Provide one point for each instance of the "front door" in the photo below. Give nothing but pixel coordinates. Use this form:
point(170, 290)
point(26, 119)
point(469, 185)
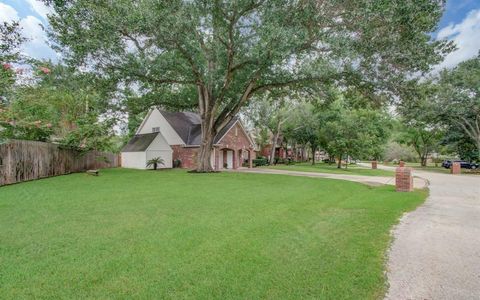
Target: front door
point(229, 159)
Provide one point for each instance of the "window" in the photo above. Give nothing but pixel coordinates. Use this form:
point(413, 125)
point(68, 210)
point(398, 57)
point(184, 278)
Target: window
point(155, 129)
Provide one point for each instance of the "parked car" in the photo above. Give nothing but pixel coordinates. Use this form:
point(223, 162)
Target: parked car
point(463, 164)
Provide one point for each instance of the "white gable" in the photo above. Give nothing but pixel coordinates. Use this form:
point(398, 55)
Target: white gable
point(155, 119)
point(159, 143)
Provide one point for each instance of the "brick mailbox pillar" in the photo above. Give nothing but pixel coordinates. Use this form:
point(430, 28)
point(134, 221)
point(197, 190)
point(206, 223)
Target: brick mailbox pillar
point(374, 164)
point(401, 164)
point(455, 168)
point(403, 179)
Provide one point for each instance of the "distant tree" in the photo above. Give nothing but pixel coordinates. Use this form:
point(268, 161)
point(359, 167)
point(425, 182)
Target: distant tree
point(397, 151)
point(63, 106)
point(306, 127)
point(270, 113)
point(220, 54)
point(458, 98)
point(352, 132)
point(10, 41)
point(420, 117)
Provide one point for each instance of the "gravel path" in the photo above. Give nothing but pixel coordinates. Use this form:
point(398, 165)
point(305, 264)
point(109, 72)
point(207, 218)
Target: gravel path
point(369, 180)
point(436, 249)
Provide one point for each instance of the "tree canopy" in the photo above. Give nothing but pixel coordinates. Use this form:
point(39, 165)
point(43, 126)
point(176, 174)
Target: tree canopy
point(214, 56)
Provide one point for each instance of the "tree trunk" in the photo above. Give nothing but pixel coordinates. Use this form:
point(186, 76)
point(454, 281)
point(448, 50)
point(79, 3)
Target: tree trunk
point(208, 134)
point(313, 156)
point(424, 161)
point(339, 165)
point(274, 144)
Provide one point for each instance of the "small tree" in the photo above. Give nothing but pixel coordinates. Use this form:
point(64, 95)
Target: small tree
point(155, 162)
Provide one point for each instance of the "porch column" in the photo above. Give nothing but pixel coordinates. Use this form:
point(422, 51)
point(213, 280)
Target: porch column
point(250, 160)
point(235, 159)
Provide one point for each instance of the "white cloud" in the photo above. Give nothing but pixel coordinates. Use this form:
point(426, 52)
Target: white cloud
point(7, 13)
point(37, 39)
point(40, 8)
point(466, 36)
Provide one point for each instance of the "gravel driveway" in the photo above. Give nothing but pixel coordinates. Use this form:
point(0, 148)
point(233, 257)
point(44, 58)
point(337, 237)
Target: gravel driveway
point(436, 249)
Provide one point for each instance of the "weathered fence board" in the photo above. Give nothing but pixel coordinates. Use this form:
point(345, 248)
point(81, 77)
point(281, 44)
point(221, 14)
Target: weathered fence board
point(29, 160)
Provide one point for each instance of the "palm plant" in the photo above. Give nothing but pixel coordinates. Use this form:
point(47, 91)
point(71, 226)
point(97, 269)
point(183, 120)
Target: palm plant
point(155, 162)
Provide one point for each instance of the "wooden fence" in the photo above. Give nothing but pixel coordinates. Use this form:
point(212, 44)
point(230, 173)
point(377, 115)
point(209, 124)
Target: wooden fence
point(30, 160)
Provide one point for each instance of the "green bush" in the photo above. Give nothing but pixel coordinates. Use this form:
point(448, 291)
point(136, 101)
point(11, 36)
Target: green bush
point(260, 162)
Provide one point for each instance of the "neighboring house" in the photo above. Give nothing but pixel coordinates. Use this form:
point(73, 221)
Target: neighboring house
point(177, 136)
point(280, 151)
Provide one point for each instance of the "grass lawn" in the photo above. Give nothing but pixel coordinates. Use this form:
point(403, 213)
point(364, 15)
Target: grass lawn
point(332, 168)
point(171, 234)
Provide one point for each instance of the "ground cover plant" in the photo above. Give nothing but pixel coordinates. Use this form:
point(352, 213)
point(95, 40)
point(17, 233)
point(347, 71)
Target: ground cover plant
point(172, 234)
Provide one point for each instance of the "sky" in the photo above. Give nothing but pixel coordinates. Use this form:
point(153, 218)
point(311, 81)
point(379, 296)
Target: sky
point(460, 23)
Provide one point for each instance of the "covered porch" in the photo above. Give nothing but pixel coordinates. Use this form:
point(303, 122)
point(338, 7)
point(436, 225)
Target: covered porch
point(228, 158)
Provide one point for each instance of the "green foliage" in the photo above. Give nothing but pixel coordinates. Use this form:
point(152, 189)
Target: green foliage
point(260, 161)
point(359, 133)
point(421, 128)
point(155, 162)
point(458, 100)
point(63, 106)
point(215, 56)
point(10, 40)
point(147, 234)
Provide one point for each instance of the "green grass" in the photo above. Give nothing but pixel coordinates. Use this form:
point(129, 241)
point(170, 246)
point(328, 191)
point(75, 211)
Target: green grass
point(171, 234)
point(332, 168)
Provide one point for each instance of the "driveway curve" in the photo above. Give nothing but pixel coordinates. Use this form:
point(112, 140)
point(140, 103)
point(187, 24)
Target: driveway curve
point(435, 253)
point(369, 180)
point(436, 249)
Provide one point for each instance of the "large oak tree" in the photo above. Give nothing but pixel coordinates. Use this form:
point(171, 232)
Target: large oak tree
point(221, 53)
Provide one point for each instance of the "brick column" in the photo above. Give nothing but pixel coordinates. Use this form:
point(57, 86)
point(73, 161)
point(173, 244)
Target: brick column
point(401, 164)
point(455, 168)
point(250, 160)
point(374, 164)
point(403, 179)
point(235, 159)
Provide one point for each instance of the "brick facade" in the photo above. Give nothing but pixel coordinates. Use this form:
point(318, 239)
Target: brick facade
point(187, 155)
point(235, 140)
point(403, 179)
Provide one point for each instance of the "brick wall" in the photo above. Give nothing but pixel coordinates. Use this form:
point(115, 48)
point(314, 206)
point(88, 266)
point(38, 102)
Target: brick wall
point(188, 156)
point(235, 139)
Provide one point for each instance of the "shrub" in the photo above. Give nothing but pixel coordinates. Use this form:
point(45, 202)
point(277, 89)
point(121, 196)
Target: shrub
point(177, 163)
point(260, 162)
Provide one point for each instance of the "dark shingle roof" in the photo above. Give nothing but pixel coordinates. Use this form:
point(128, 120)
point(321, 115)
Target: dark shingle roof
point(224, 130)
point(139, 142)
point(188, 127)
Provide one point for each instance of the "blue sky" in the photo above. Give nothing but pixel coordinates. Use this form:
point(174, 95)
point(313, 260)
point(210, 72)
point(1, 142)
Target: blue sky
point(460, 23)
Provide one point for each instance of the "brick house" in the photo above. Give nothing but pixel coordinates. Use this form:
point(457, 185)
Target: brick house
point(177, 136)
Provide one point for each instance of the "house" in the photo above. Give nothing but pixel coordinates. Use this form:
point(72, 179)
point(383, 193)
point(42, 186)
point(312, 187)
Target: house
point(176, 136)
point(280, 151)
